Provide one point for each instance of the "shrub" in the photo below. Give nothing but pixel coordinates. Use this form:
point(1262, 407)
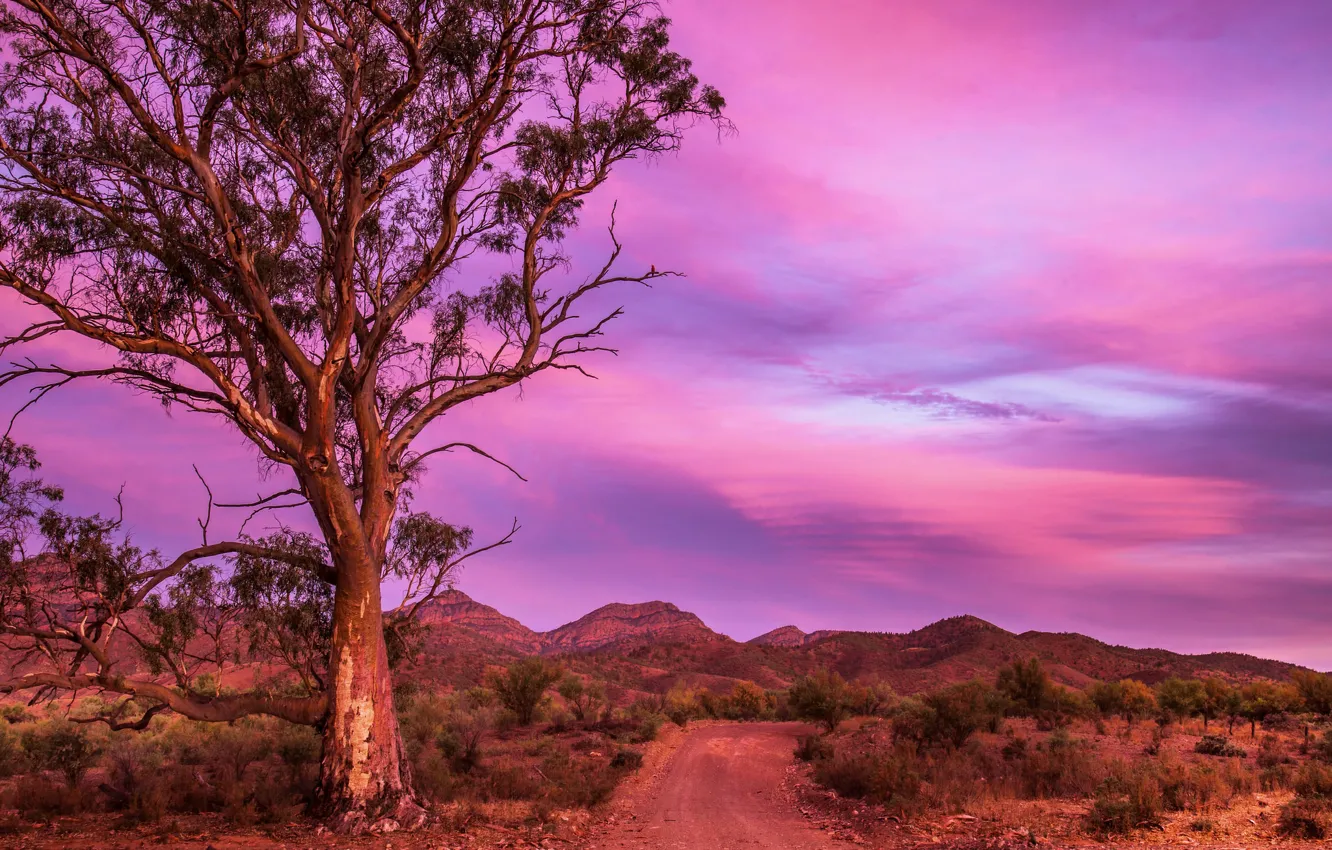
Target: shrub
point(578, 782)
point(298, 746)
point(1218, 745)
point(813, 748)
point(585, 700)
point(521, 687)
point(1308, 818)
point(681, 704)
point(960, 710)
point(11, 754)
point(872, 698)
point(459, 739)
point(748, 702)
point(1314, 779)
point(133, 777)
point(63, 747)
point(1027, 686)
point(1123, 806)
point(821, 698)
point(507, 779)
point(627, 760)
point(37, 798)
point(1061, 767)
point(648, 728)
point(15, 714)
point(1322, 750)
point(892, 779)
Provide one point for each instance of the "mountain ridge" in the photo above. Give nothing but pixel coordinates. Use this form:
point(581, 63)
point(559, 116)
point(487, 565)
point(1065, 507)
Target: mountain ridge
point(652, 644)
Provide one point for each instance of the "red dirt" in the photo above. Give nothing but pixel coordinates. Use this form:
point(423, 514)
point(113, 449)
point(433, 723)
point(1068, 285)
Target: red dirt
point(723, 788)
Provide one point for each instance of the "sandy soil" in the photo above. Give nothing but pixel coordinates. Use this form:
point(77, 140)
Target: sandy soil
point(722, 788)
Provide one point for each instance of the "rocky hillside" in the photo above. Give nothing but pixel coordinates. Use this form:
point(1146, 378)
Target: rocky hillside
point(620, 627)
point(790, 636)
point(651, 645)
point(457, 610)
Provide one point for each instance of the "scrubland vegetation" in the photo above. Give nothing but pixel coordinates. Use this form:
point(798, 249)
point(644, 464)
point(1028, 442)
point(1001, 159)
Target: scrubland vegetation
point(1130, 754)
point(532, 742)
point(536, 740)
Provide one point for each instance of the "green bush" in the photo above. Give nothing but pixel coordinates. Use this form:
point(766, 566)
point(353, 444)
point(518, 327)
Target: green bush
point(627, 760)
point(891, 779)
point(37, 798)
point(1313, 779)
point(821, 698)
point(62, 747)
point(1218, 745)
point(813, 748)
point(648, 728)
point(1308, 818)
point(521, 687)
point(1123, 806)
point(11, 753)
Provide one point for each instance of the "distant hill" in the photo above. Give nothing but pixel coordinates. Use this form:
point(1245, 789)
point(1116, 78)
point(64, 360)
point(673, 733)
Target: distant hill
point(617, 627)
point(651, 645)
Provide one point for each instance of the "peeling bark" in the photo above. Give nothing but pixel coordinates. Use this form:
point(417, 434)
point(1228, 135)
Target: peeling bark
point(365, 778)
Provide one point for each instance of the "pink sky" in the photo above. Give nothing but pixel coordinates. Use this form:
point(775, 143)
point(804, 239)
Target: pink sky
point(1014, 309)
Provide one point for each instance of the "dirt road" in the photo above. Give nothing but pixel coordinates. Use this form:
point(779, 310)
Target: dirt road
point(721, 790)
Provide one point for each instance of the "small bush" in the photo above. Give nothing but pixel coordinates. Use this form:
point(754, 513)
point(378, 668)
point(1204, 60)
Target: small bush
point(1218, 745)
point(648, 728)
point(510, 780)
point(892, 779)
point(748, 701)
point(627, 760)
point(1313, 779)
point(37, 798)
point(459, 740)
point(1271, 753)
point(521, 687)
point(813, 748)
point(1202, 825)
point(578, 782)
point(11, 754)
point(1322, 750)
point(1306, 818)
point(1117, 812)
point(822, 698)
point(61, 747)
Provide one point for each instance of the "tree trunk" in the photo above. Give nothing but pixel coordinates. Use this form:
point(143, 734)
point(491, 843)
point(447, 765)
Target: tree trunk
point(365, 778)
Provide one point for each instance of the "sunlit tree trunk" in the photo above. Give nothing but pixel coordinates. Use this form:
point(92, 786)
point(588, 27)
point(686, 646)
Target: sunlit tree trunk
point(365, 777)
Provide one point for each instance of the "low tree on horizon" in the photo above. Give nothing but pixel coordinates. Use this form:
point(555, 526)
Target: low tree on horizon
point(263, 212)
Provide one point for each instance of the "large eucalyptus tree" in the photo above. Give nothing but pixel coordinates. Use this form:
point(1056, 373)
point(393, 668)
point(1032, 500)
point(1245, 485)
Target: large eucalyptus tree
point(263, 209)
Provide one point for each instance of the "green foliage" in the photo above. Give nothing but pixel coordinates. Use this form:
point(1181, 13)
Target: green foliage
point(521, 687)
point(958, 711)
point(1138, 699)
point(1315, 690)
point(871, 698)
point(1307, 818)
point(11, 753)
point(585, 699)
point(747, 701)
point(1179, 698)
point(682, 704)
point(62, 747)
point(1027, 686)
point(822, 698)
point(891, 779)
point(1218, 745)
point(627, 760)
point(813, 748)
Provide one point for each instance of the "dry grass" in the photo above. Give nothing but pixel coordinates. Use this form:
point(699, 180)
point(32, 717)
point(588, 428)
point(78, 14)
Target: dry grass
point(1073, 787)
